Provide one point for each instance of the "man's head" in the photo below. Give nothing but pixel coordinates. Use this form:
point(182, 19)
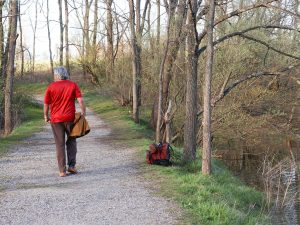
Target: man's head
point(60, 73)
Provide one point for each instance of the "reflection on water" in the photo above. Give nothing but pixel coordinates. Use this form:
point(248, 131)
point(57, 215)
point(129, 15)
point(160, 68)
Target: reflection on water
point(278, 178)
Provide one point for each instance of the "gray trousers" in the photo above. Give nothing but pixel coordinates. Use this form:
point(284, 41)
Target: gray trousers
point(59, 132)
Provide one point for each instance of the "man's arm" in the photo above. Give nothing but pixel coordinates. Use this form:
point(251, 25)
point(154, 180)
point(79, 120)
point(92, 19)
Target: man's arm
point(46, 113)
point(82, 106)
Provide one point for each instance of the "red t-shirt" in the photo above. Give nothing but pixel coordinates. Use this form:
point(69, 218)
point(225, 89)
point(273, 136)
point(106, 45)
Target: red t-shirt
point(61, 95)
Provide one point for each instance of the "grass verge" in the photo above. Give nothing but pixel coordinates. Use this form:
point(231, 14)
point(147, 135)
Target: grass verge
point(32, 122)
point(217, 199)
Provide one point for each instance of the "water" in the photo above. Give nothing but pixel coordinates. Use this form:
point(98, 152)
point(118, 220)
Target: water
point(277, 176)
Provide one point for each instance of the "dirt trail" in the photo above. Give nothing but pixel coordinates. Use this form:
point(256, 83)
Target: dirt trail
point(107, 190)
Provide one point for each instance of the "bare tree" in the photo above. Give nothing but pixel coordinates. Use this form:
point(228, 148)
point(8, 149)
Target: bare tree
point(95, 30)
point(158, 135)
point(197, 13)
point(86, 33)
point(8, 123)
point(110, 42)
point(158, 24)
point(189, 153)
point(67, 54)
point(136, 27)
point(34, 28)
point(177, 14)
point(1, 37)
point(21, 41)
point(206, 151)
point(49, 38)
point(61, 33)
point(2, 77)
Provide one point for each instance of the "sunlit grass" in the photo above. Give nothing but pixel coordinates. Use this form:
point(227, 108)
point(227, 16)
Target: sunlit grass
point(31, 88)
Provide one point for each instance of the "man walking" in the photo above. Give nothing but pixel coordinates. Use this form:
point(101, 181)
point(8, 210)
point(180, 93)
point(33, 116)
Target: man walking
point(60, 97)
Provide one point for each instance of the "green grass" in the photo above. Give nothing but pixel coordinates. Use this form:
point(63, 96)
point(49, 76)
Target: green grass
point(124, 129)
point(32, 122)
point(31, 88)
point(217, 199)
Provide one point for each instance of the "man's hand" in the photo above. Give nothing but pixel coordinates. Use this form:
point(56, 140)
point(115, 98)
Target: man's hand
point(46, 113)
point(46, 119)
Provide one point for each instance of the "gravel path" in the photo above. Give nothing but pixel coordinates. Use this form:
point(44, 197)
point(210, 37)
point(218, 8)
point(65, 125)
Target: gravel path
point(107, 190)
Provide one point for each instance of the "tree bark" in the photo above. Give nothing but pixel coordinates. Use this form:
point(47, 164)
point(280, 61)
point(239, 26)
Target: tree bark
point(49, 39)
point(178, 21)
point(34, 36)
point(158, 25)
point(136, 63)
point(67, 54)
point(1, 39)
point(158, 135)
point(189, 152)
point(177, 14)
point(21, 41)
point(206, 151)
point(86, 33)
point(136, 28)
point(2, 77)
point(8, 123)
point(61, 33)
point(95, 30)
point(110, 43)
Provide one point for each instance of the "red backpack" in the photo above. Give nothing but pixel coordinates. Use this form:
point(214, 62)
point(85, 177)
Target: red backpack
point(159, 154)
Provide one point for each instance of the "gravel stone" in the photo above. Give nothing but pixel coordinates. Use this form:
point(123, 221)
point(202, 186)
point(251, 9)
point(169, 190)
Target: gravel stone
point(108, 189)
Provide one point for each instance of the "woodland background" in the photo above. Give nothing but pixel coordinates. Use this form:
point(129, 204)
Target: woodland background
point(222, 75)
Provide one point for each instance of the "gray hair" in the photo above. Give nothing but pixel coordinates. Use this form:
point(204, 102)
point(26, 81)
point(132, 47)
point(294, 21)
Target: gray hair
point(61, 73)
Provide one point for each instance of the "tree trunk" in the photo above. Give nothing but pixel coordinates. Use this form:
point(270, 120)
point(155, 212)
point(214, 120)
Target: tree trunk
point(136, 63)
point(34, 37)
point(296, 19)
point(49, 39)
point(8, 123)
point(2, 80)
point(61, 33)
point(206, 151)
point(176, 24)
point(21, 41)
point(86, 32)
point(110, 43)
point(158, 135)
point(67, 55)
point(95, 31)
point(189, 151)
point(158, 25)
point(178, 21)
point(1, 40)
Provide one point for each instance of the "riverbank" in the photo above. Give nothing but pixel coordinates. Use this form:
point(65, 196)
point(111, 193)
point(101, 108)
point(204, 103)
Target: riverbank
point(217, 199)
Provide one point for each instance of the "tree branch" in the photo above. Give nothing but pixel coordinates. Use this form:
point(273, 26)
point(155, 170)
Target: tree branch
point(242, 34)
point(285, 10)
point(227, 90)
point(144, 15)
point(236, 13)
point(268, 46)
